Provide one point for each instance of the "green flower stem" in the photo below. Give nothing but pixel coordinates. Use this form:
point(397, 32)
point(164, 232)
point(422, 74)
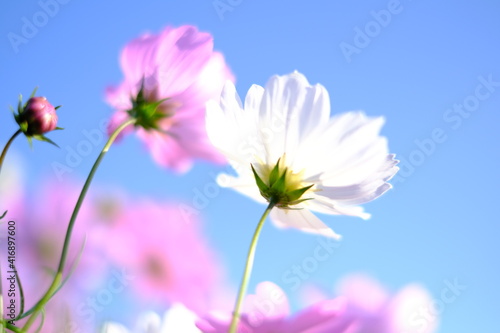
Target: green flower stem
point(248, 268)
point(4, 152)
point(10, 326)
point(59, 274)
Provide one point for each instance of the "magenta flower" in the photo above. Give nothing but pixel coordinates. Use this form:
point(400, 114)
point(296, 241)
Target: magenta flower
point(268, 311)
point(166, 253)
point(168, 79)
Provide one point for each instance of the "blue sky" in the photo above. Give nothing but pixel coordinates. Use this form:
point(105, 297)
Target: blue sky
point(431, 69)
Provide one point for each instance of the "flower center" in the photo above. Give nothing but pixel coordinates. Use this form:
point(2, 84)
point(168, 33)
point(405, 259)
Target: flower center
point(280, 185)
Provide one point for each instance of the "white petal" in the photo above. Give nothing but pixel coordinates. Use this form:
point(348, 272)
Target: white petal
point(270, 295)
point(315, 111)
point(353, 141)
point(232, 129)
point(179, 319)
point(242, 184)
point(114, 328)
point(148, 322)
point(355, 194)
point(280, 114)
point(367, 190)
point(403, 307)
point(253, 98)
point(230, 101)
point(326, 206)
point(303, 220)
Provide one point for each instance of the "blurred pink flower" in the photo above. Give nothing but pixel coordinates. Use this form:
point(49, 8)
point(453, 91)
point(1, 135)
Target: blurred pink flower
point(40, 236)
point(268, 311)
point(44, 229)
point(166, 253)
point(369, 308)
point(179, 70)
point(362, 306)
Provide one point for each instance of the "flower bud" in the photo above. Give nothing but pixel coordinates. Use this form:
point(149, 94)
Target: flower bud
point(39, 115)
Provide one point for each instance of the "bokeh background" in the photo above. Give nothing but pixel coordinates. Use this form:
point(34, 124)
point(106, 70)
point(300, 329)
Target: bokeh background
point(430, 68)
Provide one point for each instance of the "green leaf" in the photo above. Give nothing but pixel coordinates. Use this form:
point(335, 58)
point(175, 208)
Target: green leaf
point(3, 215)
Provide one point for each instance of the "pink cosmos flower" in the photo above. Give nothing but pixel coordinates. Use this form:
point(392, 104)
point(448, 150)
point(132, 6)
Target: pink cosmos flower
point(167, 255)
point(268, 311)
point(43, 230)
point(39, 237)
point(369, 308)
point(362, 306)
point(168, 79)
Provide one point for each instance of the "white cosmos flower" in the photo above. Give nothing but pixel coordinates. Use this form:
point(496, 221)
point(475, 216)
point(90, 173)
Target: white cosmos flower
point(316, 163)
point(177, 319)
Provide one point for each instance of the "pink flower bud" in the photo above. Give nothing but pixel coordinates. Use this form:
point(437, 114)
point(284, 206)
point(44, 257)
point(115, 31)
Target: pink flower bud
point(40, 115)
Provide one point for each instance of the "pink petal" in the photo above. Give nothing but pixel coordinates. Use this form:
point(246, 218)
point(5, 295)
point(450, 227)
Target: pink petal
point(181, 56)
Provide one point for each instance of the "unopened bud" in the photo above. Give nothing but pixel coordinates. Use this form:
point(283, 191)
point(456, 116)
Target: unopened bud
point(40, 116)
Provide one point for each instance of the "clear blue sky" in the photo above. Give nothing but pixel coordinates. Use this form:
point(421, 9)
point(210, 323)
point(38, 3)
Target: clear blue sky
point(431, 68)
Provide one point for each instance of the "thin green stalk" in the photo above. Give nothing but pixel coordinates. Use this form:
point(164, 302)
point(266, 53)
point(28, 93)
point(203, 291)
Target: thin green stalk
point(4, 152)
point(58, 277)
point(248, 268)
point(12, 327)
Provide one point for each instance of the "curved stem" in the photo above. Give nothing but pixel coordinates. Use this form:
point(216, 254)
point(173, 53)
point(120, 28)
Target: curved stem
point(7, 145)
point(58, 277)
point(248, 268)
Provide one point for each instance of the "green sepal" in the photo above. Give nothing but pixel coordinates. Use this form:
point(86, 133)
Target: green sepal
point(3, 215)
point(280, 184)
point(278, 190)
point(296, 202)
point(20, 107)
point(260, 184)
point(295, 194)
point(273, 176)
point(45, 139)
point(30, 141)
point(58, 128)
point(57, 107)
point(24, 126)
point(146, 113)
point(34, 92)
